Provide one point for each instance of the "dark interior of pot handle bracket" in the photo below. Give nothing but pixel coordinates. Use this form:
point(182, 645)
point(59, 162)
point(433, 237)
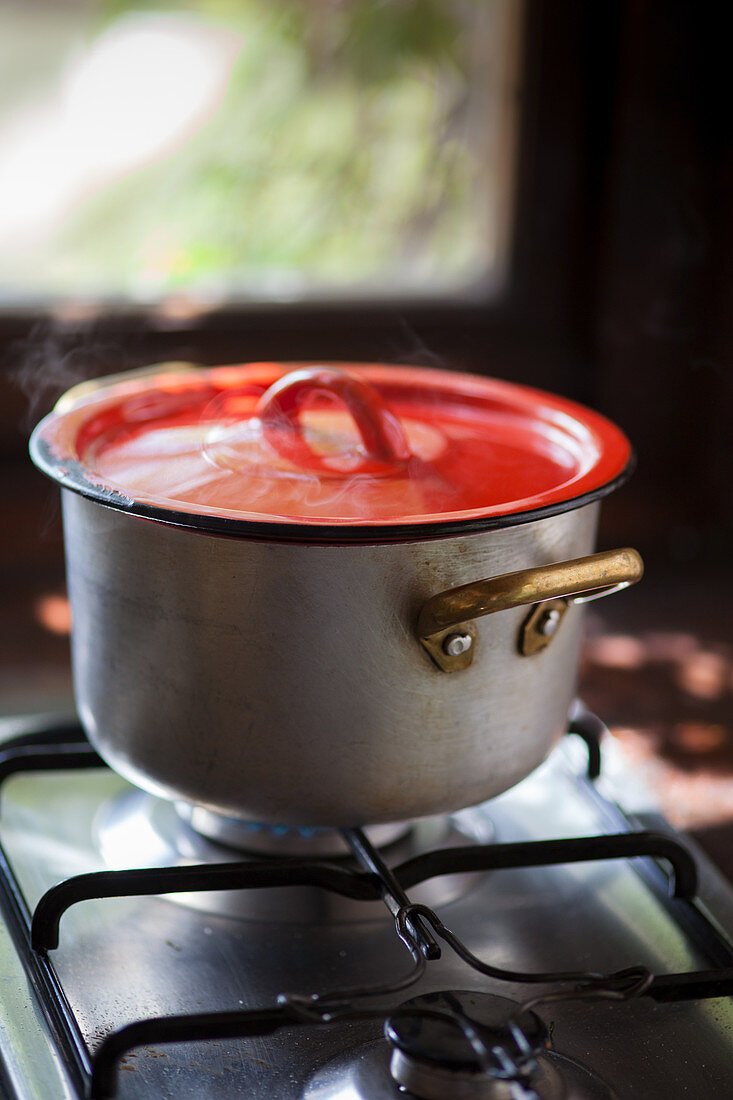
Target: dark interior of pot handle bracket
point(445, 629)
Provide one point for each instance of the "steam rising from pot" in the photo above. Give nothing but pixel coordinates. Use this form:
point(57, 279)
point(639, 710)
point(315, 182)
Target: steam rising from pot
point(229, 458)
point(54, 357)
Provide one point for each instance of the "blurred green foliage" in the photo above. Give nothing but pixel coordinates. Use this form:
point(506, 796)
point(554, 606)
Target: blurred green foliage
point(344, 154)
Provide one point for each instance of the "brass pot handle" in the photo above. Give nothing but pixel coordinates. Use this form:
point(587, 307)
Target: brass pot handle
point(443, 626)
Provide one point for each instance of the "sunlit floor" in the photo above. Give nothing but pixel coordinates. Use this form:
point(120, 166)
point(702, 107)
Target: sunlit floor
point(657, 667)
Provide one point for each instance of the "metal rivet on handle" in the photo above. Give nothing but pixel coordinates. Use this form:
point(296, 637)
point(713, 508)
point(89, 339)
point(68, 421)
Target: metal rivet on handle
point(549, 622)
point(456, 644)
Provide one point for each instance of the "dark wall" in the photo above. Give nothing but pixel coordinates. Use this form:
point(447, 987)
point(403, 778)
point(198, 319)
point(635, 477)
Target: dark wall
point(664, 312)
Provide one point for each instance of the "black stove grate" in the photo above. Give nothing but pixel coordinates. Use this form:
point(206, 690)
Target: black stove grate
point(419, 928)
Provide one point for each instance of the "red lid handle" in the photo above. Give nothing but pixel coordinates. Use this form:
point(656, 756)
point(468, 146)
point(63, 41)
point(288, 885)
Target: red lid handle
point(279, 410)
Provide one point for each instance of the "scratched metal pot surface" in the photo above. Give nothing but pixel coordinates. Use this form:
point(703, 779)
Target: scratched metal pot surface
point(284, 682)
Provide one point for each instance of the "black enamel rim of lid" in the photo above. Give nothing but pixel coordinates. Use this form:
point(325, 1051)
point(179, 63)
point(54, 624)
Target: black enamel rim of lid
point(72, 475)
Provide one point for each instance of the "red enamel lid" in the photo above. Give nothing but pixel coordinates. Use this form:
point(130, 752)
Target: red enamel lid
point(331, 452)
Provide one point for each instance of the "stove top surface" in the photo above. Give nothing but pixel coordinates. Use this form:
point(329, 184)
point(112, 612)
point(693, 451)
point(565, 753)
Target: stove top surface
point(125, 959)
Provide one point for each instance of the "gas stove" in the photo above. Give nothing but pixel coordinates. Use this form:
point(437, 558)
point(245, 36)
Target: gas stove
point(548, 945)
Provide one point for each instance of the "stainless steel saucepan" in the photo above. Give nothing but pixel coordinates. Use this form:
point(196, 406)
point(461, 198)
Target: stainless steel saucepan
point(328, 595)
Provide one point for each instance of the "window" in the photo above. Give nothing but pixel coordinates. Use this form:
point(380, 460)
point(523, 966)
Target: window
point(225, 151)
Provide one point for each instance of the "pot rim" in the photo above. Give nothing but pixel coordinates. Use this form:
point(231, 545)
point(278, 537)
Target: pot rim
point(72, 476)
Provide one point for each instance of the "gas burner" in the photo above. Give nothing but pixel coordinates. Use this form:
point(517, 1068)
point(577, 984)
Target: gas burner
point(137, 829)
point(463, 1044)
point(254, 837)
point(458, 1046)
